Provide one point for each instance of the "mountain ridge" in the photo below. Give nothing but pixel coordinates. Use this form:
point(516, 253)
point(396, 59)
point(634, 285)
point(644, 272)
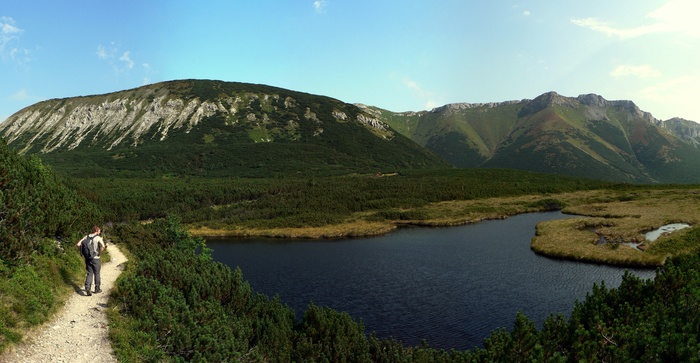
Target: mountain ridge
point(211, 127)
point(585, 135)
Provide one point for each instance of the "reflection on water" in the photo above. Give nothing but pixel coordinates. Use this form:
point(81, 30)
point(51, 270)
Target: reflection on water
point(450, 286)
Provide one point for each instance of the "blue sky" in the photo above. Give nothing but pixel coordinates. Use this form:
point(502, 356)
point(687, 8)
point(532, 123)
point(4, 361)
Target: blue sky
point(399, 55)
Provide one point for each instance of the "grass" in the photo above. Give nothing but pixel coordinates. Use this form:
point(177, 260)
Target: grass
point(623, 215)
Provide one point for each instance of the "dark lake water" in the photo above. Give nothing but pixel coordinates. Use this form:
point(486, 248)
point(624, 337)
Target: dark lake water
point(450, 286)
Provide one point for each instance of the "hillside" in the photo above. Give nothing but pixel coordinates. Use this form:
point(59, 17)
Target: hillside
point(210, 128)
point(40, 220)
point(223, 129)
point(584, 136)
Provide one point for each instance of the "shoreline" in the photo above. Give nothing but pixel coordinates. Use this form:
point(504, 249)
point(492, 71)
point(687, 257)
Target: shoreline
point(618, 217)
point(378, 229)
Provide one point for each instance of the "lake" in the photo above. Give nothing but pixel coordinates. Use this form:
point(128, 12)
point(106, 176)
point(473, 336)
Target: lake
point(451, 286)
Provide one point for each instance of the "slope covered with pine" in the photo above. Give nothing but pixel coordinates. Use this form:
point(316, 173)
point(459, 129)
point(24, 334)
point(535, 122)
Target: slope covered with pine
point(210, 128)
point(40, 220)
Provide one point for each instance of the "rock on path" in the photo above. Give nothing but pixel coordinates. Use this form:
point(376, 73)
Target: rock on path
point(78, 333)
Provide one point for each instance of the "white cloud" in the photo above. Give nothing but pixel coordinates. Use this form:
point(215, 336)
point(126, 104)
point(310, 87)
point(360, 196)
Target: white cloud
point(641, 71)
point(526, 13)
point(675, 97)
point(675, 16)
point(7, 27)
point(10, 33)
point(609, 30)
point(102, 52)
point(423, 95)
point(679, 16)
point(320, 6)
point(107, 52)
point(126, 58)
point(121, 61)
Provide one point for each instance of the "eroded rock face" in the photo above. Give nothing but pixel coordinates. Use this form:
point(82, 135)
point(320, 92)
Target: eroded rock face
point(148, 113)
point(69, 123)
point(687, 130)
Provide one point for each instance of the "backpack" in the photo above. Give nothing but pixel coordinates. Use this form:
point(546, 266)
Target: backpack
point(88, 248)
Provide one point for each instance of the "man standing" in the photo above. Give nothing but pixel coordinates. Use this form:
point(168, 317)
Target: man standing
point(91, 246)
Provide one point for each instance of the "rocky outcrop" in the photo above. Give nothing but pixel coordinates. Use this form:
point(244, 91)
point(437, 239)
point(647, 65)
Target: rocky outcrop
point(455, 107)
point(686, 130)
point(68, 123)
point(149, 113)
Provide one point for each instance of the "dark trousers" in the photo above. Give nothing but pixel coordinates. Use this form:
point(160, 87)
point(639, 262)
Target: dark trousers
point(92, 266)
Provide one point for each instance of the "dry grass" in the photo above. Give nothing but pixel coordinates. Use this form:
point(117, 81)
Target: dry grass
point(345, 230)
point(619, 216)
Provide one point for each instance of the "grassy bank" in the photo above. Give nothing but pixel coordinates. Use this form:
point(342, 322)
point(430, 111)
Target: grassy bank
point(614, 216)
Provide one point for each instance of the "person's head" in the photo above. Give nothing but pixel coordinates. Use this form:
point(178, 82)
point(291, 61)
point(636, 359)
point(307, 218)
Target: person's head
point(96, 229)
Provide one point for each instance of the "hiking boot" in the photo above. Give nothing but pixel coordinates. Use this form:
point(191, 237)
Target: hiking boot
point(88, 293)
point(98, 291)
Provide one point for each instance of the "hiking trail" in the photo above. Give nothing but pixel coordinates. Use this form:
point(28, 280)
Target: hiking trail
point(77, 333)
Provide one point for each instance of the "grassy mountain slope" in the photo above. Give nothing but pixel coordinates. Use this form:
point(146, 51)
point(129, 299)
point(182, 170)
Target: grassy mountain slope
point(211, 128)
point(585, 136)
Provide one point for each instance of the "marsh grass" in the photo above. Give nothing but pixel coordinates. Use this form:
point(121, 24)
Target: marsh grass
point(613, 216)
point(618, 217)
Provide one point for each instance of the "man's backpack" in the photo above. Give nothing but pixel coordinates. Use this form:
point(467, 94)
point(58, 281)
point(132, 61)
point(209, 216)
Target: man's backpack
point(88, 248)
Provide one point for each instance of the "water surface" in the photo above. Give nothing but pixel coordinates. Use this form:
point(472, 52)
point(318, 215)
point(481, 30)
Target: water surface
point(450, 286)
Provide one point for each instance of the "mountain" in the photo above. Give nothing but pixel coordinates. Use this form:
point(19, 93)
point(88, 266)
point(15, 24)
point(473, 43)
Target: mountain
point(215, 128)
point(586, 136)
point(210, 128)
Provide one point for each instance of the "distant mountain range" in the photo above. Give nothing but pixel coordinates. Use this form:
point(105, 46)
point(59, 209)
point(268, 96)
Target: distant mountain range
point(214, 128)
point(586, 136)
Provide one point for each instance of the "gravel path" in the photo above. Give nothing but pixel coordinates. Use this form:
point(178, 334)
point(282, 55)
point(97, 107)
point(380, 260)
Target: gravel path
point(78, 333)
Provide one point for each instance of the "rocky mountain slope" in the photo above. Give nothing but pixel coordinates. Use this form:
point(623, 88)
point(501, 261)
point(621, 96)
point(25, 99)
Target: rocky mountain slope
point(582, 136)
point(213, 128)
point(210, 128)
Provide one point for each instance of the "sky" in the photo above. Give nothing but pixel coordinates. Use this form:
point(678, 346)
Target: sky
point(400, 55)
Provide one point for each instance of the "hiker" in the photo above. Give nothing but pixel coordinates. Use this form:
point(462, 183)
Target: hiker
point(91, 246)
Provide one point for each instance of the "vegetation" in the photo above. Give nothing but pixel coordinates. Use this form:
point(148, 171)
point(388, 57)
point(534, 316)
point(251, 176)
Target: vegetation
point(612, 226)
point(176, 304)
point(314, 202)
point(256, 131)
point(40, 218)
point(362, 205)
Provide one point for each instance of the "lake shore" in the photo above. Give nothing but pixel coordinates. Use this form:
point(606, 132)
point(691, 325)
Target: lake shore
point(612, 216)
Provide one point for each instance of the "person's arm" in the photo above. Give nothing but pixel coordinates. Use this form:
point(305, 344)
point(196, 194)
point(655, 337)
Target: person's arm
point(79, 243)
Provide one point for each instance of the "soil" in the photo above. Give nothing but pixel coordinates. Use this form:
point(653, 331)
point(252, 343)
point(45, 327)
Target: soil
point(79, 332)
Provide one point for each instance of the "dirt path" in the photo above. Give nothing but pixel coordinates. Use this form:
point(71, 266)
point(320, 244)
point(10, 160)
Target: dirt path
point(78, 333)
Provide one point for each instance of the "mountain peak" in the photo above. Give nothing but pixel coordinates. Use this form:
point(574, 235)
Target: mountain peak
point(545, 100)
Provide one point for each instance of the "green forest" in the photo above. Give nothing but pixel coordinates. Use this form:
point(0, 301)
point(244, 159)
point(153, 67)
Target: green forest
point(174, 303)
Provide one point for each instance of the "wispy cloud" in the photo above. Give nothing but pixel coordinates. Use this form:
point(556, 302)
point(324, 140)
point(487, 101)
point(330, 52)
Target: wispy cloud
point(675, 16)
point(526, 13)
point(126, 58)
point(8, 32)
point(640, 71)
point(121, 61)
point(320, 6)
point(425, 96)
